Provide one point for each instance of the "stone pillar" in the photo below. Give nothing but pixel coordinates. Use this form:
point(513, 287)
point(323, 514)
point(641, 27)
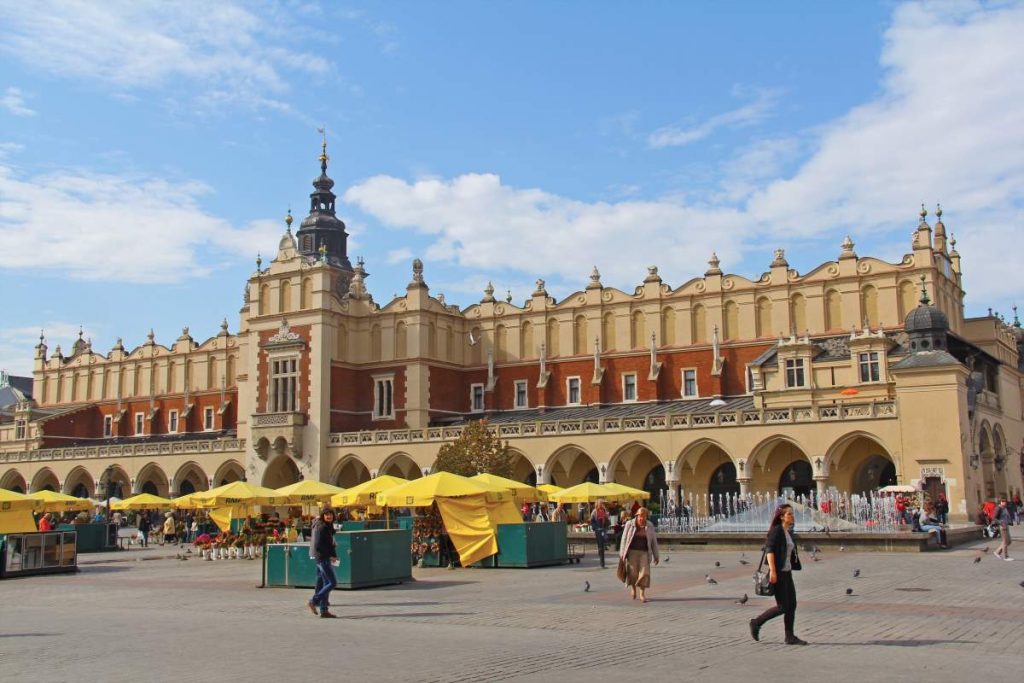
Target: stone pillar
point(602, 470)
point(673, 491)
point(543, 476)
point(822, 484)
point(744, 483)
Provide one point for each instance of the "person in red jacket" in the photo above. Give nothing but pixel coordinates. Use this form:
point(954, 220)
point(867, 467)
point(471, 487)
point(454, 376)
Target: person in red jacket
point(46, 523)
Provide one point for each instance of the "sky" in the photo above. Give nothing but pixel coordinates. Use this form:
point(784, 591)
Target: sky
point(150, 150)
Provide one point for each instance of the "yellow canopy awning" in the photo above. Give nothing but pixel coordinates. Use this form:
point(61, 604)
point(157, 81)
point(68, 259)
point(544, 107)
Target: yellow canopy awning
point(187, 501)
point(423, 492)
point(51, 501)
point(628, 490)
point(306, 491)
point(143, 501)
point(15, 502)
point(237, 493)
point(472, 524)
point(17, 522)
point(521, 491)
point(366, 493)
point(550, 488)
point(588, 492)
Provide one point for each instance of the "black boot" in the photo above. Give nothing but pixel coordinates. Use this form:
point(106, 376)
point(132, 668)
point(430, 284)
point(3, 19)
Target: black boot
point(755, 629)
point(793, 640)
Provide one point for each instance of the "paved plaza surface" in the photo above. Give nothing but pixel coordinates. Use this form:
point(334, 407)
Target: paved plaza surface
point(914, 617)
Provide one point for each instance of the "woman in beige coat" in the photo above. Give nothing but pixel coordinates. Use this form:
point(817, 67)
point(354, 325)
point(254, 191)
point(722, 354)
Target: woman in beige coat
point(638, 548)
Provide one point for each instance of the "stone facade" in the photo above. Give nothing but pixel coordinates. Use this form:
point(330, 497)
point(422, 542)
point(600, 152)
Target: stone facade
point(724, 383)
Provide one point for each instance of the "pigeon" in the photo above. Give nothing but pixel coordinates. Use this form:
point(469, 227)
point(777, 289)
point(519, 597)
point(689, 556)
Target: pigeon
point(849, 591)
point(743, 600)
point(856, 573)
point(815, 558)
point(977, 559)
point(667, 558)
point(709, 579)
point(1022, 584)
point(717, 563)
point(743, 562)
point(586, 586)
point(985, 549)
point(842, 548)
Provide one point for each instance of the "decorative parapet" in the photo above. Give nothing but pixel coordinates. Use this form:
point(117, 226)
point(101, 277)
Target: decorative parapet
point(126, 450)
point(645, 423)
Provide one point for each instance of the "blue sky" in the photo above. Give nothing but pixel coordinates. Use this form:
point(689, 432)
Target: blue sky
point(149, 150)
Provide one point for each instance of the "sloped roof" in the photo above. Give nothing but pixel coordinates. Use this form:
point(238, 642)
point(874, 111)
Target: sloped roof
point(925, 359)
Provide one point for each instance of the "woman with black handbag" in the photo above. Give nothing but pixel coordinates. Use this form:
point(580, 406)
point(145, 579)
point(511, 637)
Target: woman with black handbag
point(783, 559)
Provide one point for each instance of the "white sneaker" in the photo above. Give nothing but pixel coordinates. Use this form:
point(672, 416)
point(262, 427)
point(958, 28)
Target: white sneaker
point(1008, 559)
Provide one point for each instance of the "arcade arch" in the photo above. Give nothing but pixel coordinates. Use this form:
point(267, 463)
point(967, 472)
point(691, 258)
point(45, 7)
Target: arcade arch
point(228, 472)
point(349, 472)
point(859, 462)
point(79, 483)
point(151, 479)
point(190, 478)
point(632, 464)
point(281, 471)
point(522, 468)
point(780, 463)
point(45, 480)
point(401, 465)
point(697, 467)
point(13, 481)
point(571, 465)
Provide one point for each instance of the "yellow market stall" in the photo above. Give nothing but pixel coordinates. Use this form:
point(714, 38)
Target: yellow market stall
point(25, 551)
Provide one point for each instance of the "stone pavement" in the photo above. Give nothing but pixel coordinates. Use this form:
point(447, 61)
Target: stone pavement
point(912, 617)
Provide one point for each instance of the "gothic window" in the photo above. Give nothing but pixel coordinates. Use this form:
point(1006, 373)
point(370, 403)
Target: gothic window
point(668, 327)
point(638, 330)
point(579, 334)
point(798, 315)
point(284, 374)
point(833, 310)
point(552, 338)
point(476, 397)
point(383, 398)
point(526, 349)
point(731, 321)
point(699, 325)
point(764, 317)
point(608, 331)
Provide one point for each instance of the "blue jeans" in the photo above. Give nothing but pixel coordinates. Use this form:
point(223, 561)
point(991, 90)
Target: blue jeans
point(325, 583)
point(928, 528)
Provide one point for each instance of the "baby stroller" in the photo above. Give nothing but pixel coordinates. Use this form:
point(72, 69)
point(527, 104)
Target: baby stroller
point(990, 531)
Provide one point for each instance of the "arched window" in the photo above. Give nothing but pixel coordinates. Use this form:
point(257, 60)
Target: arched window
point(608, 331)
point(401, 340)
point(579, 335)
point(699, 325)
point(798, 314)
point(476, 355)
point(908, 298)
point(264, 305)
point(833, 310)
point(500, 344)
point(431, 340)
point(731, 321)
point(668, 327)
point(637, 330)
point(307, 293)
point(552, 338)
point(375, 343)
point(212, 378)
point(284, 296)
point(869, 305)
point(764, 317)
point(172, 381)
point(526, 349)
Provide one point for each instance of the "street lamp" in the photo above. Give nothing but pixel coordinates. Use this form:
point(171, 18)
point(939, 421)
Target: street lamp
point(974, 461)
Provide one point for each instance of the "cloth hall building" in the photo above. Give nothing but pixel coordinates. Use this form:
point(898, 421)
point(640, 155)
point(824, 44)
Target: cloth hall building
point(857, 374)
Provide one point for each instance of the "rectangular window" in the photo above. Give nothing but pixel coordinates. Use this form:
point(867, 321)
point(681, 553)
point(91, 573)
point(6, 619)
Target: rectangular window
point(572, 391)
point(869, 367)
point(284, 374)
point(750, 379)
point(795, 373)
point(172, 422)
point(629, 387)
point(690, 383)
point(19, 429)
point(476, 397)
point(108, 426)
point(522, 400)
point(208, 419)
point(140, 424)
point(383, 398)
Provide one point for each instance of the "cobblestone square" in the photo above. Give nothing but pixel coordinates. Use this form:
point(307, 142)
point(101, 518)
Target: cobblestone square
point(144, 615)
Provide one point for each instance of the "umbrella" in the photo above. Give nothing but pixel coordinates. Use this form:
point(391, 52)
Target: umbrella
point(550, 488)
point(519, 490)
point(629, 490)
point(143, 501)
point(51, 501)
point(14, 502)
point(237, 493)
point(307, 491)
point(588, 492)
point(423, 492)
point(849, 392)
point(187, 501)
point(897, 488)
point(366, 493)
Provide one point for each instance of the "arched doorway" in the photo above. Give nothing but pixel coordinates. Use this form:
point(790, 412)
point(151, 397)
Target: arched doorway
point(654, 483)
point(281, 472)
point(874, 473)
point(797, 480)
point(401, 465)
point(151, 479)
point(13, 481)
point(150, 488)
point(571, 465)
point(350, 472)
point(723, 489)
point(186, 487)
point(228, 472)
point(45, 480)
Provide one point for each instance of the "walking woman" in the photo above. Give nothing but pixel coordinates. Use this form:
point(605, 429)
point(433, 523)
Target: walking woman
point(783, 560)
point(639, 546)
point(1002, 518)
point(323, 549)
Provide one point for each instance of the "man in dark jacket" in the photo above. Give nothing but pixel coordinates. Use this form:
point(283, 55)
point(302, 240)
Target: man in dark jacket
point(144, 529)
point(323, 550)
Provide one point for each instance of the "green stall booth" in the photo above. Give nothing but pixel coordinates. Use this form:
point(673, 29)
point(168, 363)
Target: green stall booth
point(38, 552)
point(532, 544)
point(371, 557)
point(93, 538)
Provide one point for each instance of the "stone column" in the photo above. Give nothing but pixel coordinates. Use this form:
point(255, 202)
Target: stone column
point(744, 483)
point(543, 476)
point(822, 483)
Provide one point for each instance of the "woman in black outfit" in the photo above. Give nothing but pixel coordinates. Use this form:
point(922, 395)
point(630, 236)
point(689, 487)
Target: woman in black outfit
point(783, 560)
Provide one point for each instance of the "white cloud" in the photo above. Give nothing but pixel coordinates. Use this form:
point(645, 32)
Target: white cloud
point(944, 127)
point(399, 255)
point(116, 228)
point(13, 100)
point(147, 44)
point(677, 136)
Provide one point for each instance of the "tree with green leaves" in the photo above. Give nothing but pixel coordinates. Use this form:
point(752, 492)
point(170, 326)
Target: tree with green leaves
point(476, 451)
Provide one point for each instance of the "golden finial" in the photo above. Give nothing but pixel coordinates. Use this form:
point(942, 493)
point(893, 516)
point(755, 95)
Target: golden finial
point(323, 146)
point(288, 219)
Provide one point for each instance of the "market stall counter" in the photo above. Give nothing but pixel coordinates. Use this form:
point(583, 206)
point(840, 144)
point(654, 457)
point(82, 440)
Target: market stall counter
point(374, 557)
point(93, 538)
point(41, 552)
point(532, 544)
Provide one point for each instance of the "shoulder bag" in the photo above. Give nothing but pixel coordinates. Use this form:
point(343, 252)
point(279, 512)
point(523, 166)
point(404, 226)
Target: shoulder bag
point(762, 577)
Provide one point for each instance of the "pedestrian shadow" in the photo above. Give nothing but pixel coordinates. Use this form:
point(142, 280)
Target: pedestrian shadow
point(901, 643)
point(92, 569)
point(29, 635)
point(396, 604)
point(705, 599)
point(422, 584)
